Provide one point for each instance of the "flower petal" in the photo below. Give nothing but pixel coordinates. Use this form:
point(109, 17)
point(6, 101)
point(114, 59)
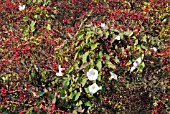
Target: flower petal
point(132, 69)
point(92, 74)
point(113, 76)
point(139, 60)
point(117, 37)
point(94, 88)
point(59, 74)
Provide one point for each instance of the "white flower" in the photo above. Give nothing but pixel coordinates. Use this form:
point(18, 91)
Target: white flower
point(103, 25)
point(94, 88)
point(154, 48)
point(117, 37)
point(59, 74)
point(135, 64)
point(138, 60)
point(155, 104)
point(113, 76)
point(80, 89)
point(132, 69)
point(21, 7)
point(131, 34)
point(60, 69)
point(92, 74)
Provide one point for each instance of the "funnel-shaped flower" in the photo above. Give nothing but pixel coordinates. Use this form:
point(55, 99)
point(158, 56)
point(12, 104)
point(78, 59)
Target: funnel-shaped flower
point(92, 74)
point(113, 76)
point(138, 60)
point(94, 88)
point(60, 69)
point(155, 49)
point(132, 69)
point(117, 37)
point(21, 7)
point(135, 64)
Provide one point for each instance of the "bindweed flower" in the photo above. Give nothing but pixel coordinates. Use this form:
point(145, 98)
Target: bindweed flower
point(136, 63)
point(138, 60)
point(103, 25)
point(60, 69)
point(21, 7)
point(132, 69)
point(92, 74)
point(94, 88)
point(113, 76)
point(80, 89)
point(117, 37)
point(154, 49)
point(59, 74)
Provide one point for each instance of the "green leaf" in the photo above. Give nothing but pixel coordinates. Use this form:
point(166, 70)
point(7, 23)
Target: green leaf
point(65, 83)
point(70, 69)
point(32, 26)
point(106, 33)
point(144, 38)
point(86, 90)
point(136, 42)
point(116, 59)
point(80, 35)
point(32, 74)
point(75, 112)
point(93, 46)
point(110, 65)
point(107, 57)
point(82, 45)
point(48, 27)
point(29, 111)
point(29, 2)
point(46, 2)
point(88, 35)
point(84, 57)
point(142, 56)
point(34, 1)
point(39, 1)
point(71, 96)
point(62, 93)
point(100, 54)
point(75, 57)
point(77, 96)
point(129, 63)
point(26, 32)
point(79, 103)
point(35, 16)
point(83, 82)
point(115, 30)
point(142, 46)
point(40, 94)
point(99, 78)
point(25, 19)
point(99, 65)
point(127, 33)
point(88, 103)
point(143, 64)
point(43, 74)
